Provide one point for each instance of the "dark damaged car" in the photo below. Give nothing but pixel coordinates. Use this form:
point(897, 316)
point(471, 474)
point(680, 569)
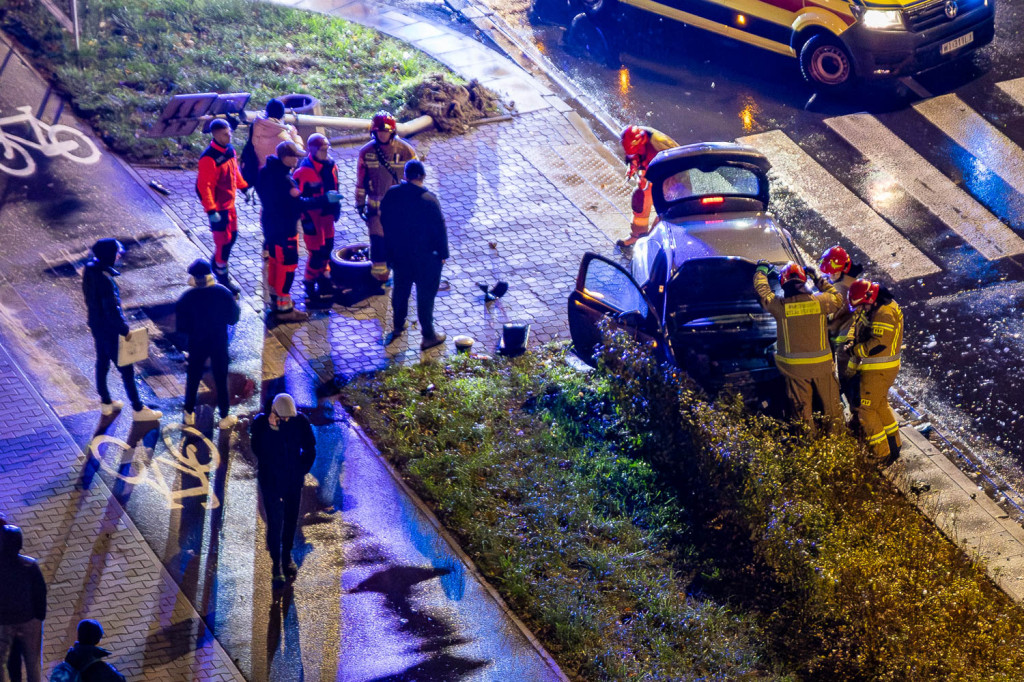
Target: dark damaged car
point(689, 289)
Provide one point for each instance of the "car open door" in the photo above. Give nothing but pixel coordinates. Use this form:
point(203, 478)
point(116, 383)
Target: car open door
point(605, 289)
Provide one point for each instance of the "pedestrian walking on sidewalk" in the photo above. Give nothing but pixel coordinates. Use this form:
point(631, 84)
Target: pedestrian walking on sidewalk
point(17, 653)
point(641, 145)
point(802, 353)
point(285, 449)
point(283, 205)
point(22, 604)
point(217, 182)
point(270, 130)
point(417, 248)
point(204, 313)
point(85, 658)
point(316, 175)
point(379, 168)
point(842, 271)
point(875, 349)
point(107, 322)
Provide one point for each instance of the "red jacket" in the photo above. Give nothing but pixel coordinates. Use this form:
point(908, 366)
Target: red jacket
point(315, 179)
point(218, 178)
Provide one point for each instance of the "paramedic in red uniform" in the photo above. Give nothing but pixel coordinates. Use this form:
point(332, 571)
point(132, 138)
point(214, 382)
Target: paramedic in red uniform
point(216, 184)
point(316, 175)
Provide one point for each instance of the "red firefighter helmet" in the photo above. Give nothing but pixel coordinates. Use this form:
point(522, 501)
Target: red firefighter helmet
point(634, 138)
point(383, 120)
point(792, 271)
point(862, 292)
point(835, 261)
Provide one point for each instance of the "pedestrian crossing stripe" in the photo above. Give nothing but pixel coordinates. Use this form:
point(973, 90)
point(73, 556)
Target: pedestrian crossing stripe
point(967, 128)
point(840, 208)
point(954, 207)
point(1014, 88)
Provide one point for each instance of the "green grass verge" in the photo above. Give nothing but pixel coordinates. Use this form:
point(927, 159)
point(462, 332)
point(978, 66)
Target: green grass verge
point(136, 55)
point(580, 539)
point(645, 533)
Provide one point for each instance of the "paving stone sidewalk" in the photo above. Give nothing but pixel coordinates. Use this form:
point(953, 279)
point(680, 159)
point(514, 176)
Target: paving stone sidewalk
point(95, 562)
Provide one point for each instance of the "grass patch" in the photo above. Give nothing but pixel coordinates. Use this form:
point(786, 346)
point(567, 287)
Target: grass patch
point(136, 55)
point(580, 538)
point(644, 532)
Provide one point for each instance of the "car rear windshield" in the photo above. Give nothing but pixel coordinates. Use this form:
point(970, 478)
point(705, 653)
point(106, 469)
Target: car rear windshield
point(724, 180)
point(716, 284)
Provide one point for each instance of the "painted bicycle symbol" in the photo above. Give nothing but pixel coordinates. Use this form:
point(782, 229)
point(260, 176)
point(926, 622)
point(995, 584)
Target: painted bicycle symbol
point(55, 140)
point(184, 460)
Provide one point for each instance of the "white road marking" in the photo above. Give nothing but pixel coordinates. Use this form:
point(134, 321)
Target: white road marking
point(967, 128)
point(921, 180)
point(1014, 88)
point(840, 208)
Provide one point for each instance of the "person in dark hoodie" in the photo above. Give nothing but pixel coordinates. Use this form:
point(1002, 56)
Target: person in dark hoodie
point(107, 322)
point(282, 207)
point(86, 656)
point(416, 240)
point(204, 313)
point(285, 448)
point(22, 604)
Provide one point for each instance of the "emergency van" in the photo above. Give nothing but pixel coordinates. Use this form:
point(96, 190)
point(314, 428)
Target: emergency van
point(836, 41)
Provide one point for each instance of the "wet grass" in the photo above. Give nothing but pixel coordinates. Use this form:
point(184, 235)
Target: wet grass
point(136, 55)
point(644, 532)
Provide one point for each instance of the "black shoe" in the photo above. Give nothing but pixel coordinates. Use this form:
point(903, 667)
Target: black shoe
point(291, 569)
point(314, 298)
point(230, 284)
point(432, 342)
point(499, 289)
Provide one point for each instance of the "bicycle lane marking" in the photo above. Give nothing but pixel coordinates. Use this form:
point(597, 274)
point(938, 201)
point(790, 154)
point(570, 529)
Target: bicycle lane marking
point(53, 141)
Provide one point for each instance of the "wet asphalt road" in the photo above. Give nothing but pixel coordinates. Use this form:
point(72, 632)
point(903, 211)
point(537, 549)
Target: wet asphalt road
point(963, 325)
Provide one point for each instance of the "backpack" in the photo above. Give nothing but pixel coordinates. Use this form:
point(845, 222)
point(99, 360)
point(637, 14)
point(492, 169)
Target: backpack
point(65, 672)
point(249, 162)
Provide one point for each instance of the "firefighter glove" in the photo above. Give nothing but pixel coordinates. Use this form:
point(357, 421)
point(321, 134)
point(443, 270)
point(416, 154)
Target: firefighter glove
point(214, 217)
point(765, 268)
point(362, 210)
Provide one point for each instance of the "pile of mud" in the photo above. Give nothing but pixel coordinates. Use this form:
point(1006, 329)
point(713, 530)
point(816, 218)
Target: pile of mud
point(452, 106)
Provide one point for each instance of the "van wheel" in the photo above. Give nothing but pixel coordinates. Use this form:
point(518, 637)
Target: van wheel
point(825, 62)
point(598, 9)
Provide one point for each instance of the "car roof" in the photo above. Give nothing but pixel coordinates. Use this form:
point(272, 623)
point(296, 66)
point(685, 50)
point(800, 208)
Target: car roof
point(751, 236)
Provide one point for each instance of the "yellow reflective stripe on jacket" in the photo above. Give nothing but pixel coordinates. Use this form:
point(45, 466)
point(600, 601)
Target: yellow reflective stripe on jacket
point(804, 358)
point(802, 308)
point(882, 365)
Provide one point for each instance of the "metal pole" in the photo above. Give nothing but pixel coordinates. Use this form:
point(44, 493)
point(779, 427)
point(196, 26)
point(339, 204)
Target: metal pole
point(74, 18)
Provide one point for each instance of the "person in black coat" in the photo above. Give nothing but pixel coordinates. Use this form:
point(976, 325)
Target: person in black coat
point(107, 323)
point(285, 448)
point(22, 603)
point(204, 314)
point(283, 205)
point(416, 240)
point(86, 656)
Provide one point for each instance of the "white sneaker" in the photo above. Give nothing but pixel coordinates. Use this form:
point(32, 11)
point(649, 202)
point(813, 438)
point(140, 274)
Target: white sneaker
point(189, 419)
point(146, 415)
point(228, 422)
point(110, 408)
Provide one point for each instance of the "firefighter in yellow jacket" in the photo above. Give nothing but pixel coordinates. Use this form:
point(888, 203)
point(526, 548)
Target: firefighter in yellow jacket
point(381, 164)
point(641, 145)
point(803, 354)
point(837, 265)
point(875, 346)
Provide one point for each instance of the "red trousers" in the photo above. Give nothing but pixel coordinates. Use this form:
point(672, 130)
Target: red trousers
point(318, 234)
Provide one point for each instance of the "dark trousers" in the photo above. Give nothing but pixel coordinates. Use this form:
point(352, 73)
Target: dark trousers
point(106, 353)
point(282, 519)
point(197, 357)
point(427, 278)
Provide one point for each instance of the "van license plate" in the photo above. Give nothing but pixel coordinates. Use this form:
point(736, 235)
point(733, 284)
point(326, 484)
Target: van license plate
point(956, 44)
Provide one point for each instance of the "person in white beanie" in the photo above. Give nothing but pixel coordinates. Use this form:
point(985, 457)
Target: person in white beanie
point(285, 449)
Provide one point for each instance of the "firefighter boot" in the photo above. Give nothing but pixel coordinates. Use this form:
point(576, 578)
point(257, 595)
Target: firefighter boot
point(894, 450)
point(313, 297)
point(223, 278)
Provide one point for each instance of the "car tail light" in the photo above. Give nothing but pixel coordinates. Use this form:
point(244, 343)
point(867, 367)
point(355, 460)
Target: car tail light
point(712, 200)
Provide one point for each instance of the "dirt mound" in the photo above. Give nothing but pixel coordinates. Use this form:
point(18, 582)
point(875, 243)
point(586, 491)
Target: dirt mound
point(451, 105)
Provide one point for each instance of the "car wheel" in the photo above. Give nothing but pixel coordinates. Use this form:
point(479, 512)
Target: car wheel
point(586, 39)
point(824, 62)
point(598, 9)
